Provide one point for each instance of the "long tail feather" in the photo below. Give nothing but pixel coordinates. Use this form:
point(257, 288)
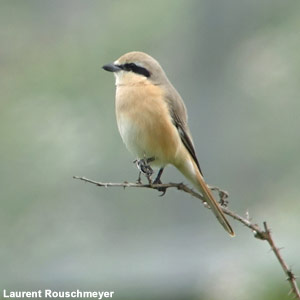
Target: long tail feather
point(192, 173)
point(213, 204)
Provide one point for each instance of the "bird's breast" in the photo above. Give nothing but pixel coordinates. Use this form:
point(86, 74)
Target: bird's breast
point(145, 123)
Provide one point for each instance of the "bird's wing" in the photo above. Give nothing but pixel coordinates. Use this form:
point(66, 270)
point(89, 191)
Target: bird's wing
point(179, 117)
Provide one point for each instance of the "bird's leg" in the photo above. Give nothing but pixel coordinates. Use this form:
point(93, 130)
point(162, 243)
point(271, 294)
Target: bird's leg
point(158, 181)
point(144, 167)
point(139, 181)
point(148, 169)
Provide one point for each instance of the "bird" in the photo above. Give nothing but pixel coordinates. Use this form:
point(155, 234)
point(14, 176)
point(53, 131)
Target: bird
point(153, 123)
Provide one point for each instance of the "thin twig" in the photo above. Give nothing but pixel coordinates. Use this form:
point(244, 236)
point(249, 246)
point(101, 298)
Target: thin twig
point(262, 234)
point(287, 270)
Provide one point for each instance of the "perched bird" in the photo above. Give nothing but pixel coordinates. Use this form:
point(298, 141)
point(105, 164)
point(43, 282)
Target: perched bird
point(152, 120)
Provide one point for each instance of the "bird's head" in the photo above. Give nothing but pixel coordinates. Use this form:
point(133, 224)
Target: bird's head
point(136, 67)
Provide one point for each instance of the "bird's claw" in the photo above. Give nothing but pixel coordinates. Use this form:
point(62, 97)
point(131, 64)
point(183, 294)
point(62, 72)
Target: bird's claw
point(139, 181)
point(160, 189)
point(144, 167)
point(163, 190)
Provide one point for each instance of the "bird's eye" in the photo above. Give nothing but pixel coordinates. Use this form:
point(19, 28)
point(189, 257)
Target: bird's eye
point(136, 69)
point(129, 66)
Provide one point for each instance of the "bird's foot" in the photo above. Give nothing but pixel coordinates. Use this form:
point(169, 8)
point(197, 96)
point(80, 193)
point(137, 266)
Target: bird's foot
point(163, 190)
point(139, 181)
point(158, 181)
point(144, 167)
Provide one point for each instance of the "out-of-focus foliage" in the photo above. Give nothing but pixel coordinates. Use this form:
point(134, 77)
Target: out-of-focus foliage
point(236, 65)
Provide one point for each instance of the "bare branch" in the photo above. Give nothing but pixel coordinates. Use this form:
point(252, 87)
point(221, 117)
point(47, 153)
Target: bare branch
point(262, 234)
point(287, 270)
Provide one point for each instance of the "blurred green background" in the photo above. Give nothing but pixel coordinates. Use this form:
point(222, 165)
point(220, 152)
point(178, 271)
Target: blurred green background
point(236, 65)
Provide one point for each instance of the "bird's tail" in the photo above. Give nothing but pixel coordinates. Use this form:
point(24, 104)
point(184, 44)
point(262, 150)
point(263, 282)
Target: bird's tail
point(192, 173)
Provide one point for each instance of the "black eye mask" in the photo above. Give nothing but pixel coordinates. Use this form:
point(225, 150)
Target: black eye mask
point(131, 67)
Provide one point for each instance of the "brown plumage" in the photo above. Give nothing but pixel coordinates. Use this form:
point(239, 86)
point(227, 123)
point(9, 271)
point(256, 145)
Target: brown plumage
point(152, 120)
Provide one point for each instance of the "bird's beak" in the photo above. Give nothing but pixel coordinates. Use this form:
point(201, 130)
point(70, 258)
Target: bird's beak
point(111, 68)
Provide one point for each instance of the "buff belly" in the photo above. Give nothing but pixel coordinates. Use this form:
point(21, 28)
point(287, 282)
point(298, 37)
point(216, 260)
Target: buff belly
point(146, 140)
